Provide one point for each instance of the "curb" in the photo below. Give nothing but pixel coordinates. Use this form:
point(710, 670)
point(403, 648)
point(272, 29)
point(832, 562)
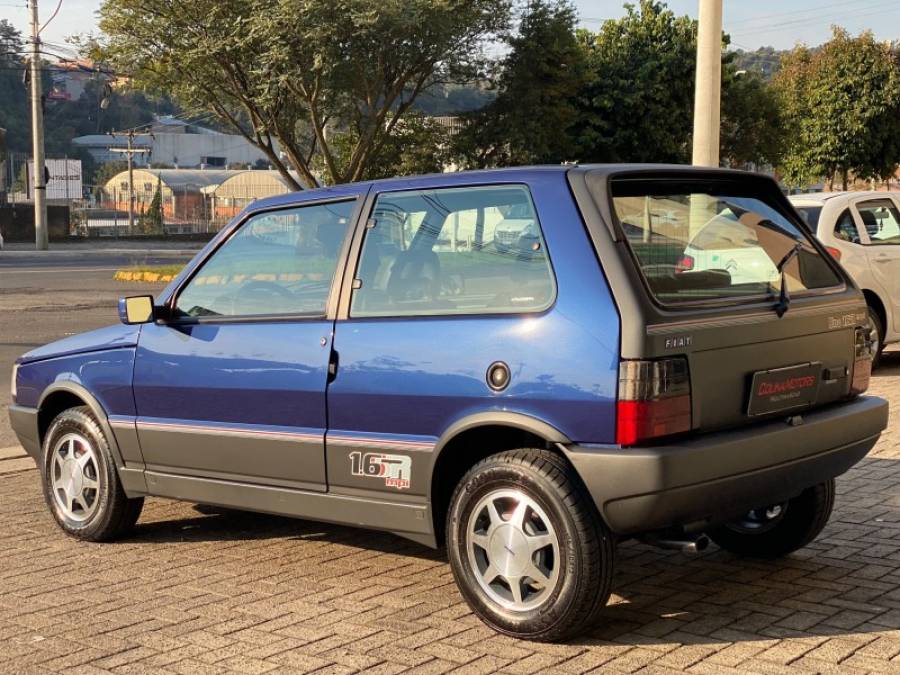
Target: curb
point(147, 277)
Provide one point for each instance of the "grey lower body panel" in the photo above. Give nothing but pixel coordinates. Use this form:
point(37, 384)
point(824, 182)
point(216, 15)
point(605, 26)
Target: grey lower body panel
point(717, 476)
point(24, 422)
point(411, 521)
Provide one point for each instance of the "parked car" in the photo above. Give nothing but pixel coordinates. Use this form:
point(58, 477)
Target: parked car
point(862, 230)
point(311, 361)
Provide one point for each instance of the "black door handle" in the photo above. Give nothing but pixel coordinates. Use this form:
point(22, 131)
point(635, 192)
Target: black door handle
point(332, 366)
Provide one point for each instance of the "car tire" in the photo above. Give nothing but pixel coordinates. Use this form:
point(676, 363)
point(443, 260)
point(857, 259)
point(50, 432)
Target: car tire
point(525, 511)
point(81, 484)
point(878, 327)
point(800, 520)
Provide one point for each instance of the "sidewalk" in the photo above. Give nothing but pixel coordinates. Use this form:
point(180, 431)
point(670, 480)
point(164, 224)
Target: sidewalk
point(14, 459)
point(207, 590)
point(105, 246)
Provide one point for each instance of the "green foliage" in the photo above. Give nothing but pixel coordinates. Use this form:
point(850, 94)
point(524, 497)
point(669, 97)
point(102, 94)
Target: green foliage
point(151, 222)
point(418, 145)
point(765, 61)
point(752, 127)
point(107, 170)
point(13, 95)
point(638, 105)
point(295, 71)
point(530, 120)
point(842, 110)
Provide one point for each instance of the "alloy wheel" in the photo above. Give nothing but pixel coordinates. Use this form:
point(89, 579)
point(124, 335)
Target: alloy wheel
point(75, 477)
point(513, 550)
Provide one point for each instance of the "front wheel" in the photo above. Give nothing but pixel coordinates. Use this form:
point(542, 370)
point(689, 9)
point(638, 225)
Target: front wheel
point(778, 529)
point(81, 484)
point(528, 551)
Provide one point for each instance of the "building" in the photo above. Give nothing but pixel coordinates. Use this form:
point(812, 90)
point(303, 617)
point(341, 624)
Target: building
point(227, 198)
point(185, 207)
point(173, 142)
point(192, 200)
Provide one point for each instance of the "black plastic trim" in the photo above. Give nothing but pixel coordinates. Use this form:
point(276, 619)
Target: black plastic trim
point(97, 409)
point(716, 476)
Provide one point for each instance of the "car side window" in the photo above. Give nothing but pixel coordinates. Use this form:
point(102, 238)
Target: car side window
point(474, 250)
point(881, 219)
point(845, 228)
point(279, 262)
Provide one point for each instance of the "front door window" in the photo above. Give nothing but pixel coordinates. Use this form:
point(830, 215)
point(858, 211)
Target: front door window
point(280, 262)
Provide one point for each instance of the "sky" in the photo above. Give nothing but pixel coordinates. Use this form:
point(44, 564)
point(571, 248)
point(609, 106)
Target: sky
point(751, 23)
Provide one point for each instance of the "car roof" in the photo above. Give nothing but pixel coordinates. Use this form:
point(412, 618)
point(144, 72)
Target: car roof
point(819, 198)
point(508, 174)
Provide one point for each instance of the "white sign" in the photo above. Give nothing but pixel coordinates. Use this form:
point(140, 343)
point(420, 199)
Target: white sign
point(65, 179)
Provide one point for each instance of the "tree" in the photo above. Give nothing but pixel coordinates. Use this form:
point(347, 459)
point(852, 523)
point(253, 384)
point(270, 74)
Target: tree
point(418, 145)
point(14, 115)
point(752, 127)
point(841, 104)
point(638, 105)
point(530, 120)
point(151, 222)
point(290, 75)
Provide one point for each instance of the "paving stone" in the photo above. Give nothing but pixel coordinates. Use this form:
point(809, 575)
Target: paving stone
point(197, 592)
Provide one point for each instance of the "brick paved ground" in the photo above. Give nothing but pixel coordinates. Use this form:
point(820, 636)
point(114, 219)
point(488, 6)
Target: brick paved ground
point(208, 592)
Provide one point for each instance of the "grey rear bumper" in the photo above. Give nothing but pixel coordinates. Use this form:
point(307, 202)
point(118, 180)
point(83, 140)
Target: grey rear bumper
point(720, 475)
point(24, 422)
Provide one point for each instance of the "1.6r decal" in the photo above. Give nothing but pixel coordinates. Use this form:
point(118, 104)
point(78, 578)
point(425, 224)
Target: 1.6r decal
point(395, 469)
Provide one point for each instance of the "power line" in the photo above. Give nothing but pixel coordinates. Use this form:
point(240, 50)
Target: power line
point(812, 11)
point(792, 25)
point(52, 16)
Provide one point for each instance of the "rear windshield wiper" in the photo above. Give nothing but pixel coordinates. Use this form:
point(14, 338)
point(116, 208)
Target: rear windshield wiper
point(784, 302)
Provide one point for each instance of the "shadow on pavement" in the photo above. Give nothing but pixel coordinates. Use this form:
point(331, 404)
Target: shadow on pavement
point(844, 583)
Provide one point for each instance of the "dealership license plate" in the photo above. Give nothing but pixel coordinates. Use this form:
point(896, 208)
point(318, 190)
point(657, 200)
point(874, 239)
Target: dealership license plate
point(784, 388)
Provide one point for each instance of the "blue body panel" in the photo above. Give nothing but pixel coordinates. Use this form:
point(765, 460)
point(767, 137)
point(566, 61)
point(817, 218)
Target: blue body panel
point(111, 337)
point(250, 401)
point(418, 375)
point(206, 393)
point(105, 373)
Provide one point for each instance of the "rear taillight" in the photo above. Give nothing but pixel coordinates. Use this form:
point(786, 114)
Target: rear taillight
point(684, 264)
point(862, 361)
point(654, 400)
point(833, 252)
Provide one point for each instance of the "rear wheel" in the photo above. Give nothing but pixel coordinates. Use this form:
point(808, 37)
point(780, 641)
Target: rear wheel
point(877, 327)
point(778, 529)
point(528, 551)
point(81, 484)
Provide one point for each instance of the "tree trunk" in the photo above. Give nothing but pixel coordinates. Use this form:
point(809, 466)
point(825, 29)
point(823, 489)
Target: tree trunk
point(844, 177)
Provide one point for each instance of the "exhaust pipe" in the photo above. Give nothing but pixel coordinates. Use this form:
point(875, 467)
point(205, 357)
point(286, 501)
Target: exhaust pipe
point(687, 545)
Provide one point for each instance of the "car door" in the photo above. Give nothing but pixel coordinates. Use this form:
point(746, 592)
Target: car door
point(879, 218)
point(441, 295)
point(232, 385)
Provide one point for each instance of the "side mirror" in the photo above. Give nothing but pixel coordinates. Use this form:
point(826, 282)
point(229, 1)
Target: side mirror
point(136, 309)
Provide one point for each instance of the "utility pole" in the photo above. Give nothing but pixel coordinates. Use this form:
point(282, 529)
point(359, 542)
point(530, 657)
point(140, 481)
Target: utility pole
point(708, 89)
point(38, 182)
point(131, 181)
point(131, 151)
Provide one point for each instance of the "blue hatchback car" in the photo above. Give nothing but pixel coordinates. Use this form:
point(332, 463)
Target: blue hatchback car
point(526, 364)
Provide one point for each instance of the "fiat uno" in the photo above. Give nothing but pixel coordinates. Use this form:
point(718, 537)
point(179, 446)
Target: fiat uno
point(371, 354)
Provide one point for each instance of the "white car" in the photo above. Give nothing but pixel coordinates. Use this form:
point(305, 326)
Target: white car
point(862, 230)
point(724, 243)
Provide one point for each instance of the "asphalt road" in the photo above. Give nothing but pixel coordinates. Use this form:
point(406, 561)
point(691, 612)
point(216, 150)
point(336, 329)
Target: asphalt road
point(49, 295)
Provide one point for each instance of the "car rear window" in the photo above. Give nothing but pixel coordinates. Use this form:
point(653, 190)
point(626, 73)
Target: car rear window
point(810, 215)
point(701, 241)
